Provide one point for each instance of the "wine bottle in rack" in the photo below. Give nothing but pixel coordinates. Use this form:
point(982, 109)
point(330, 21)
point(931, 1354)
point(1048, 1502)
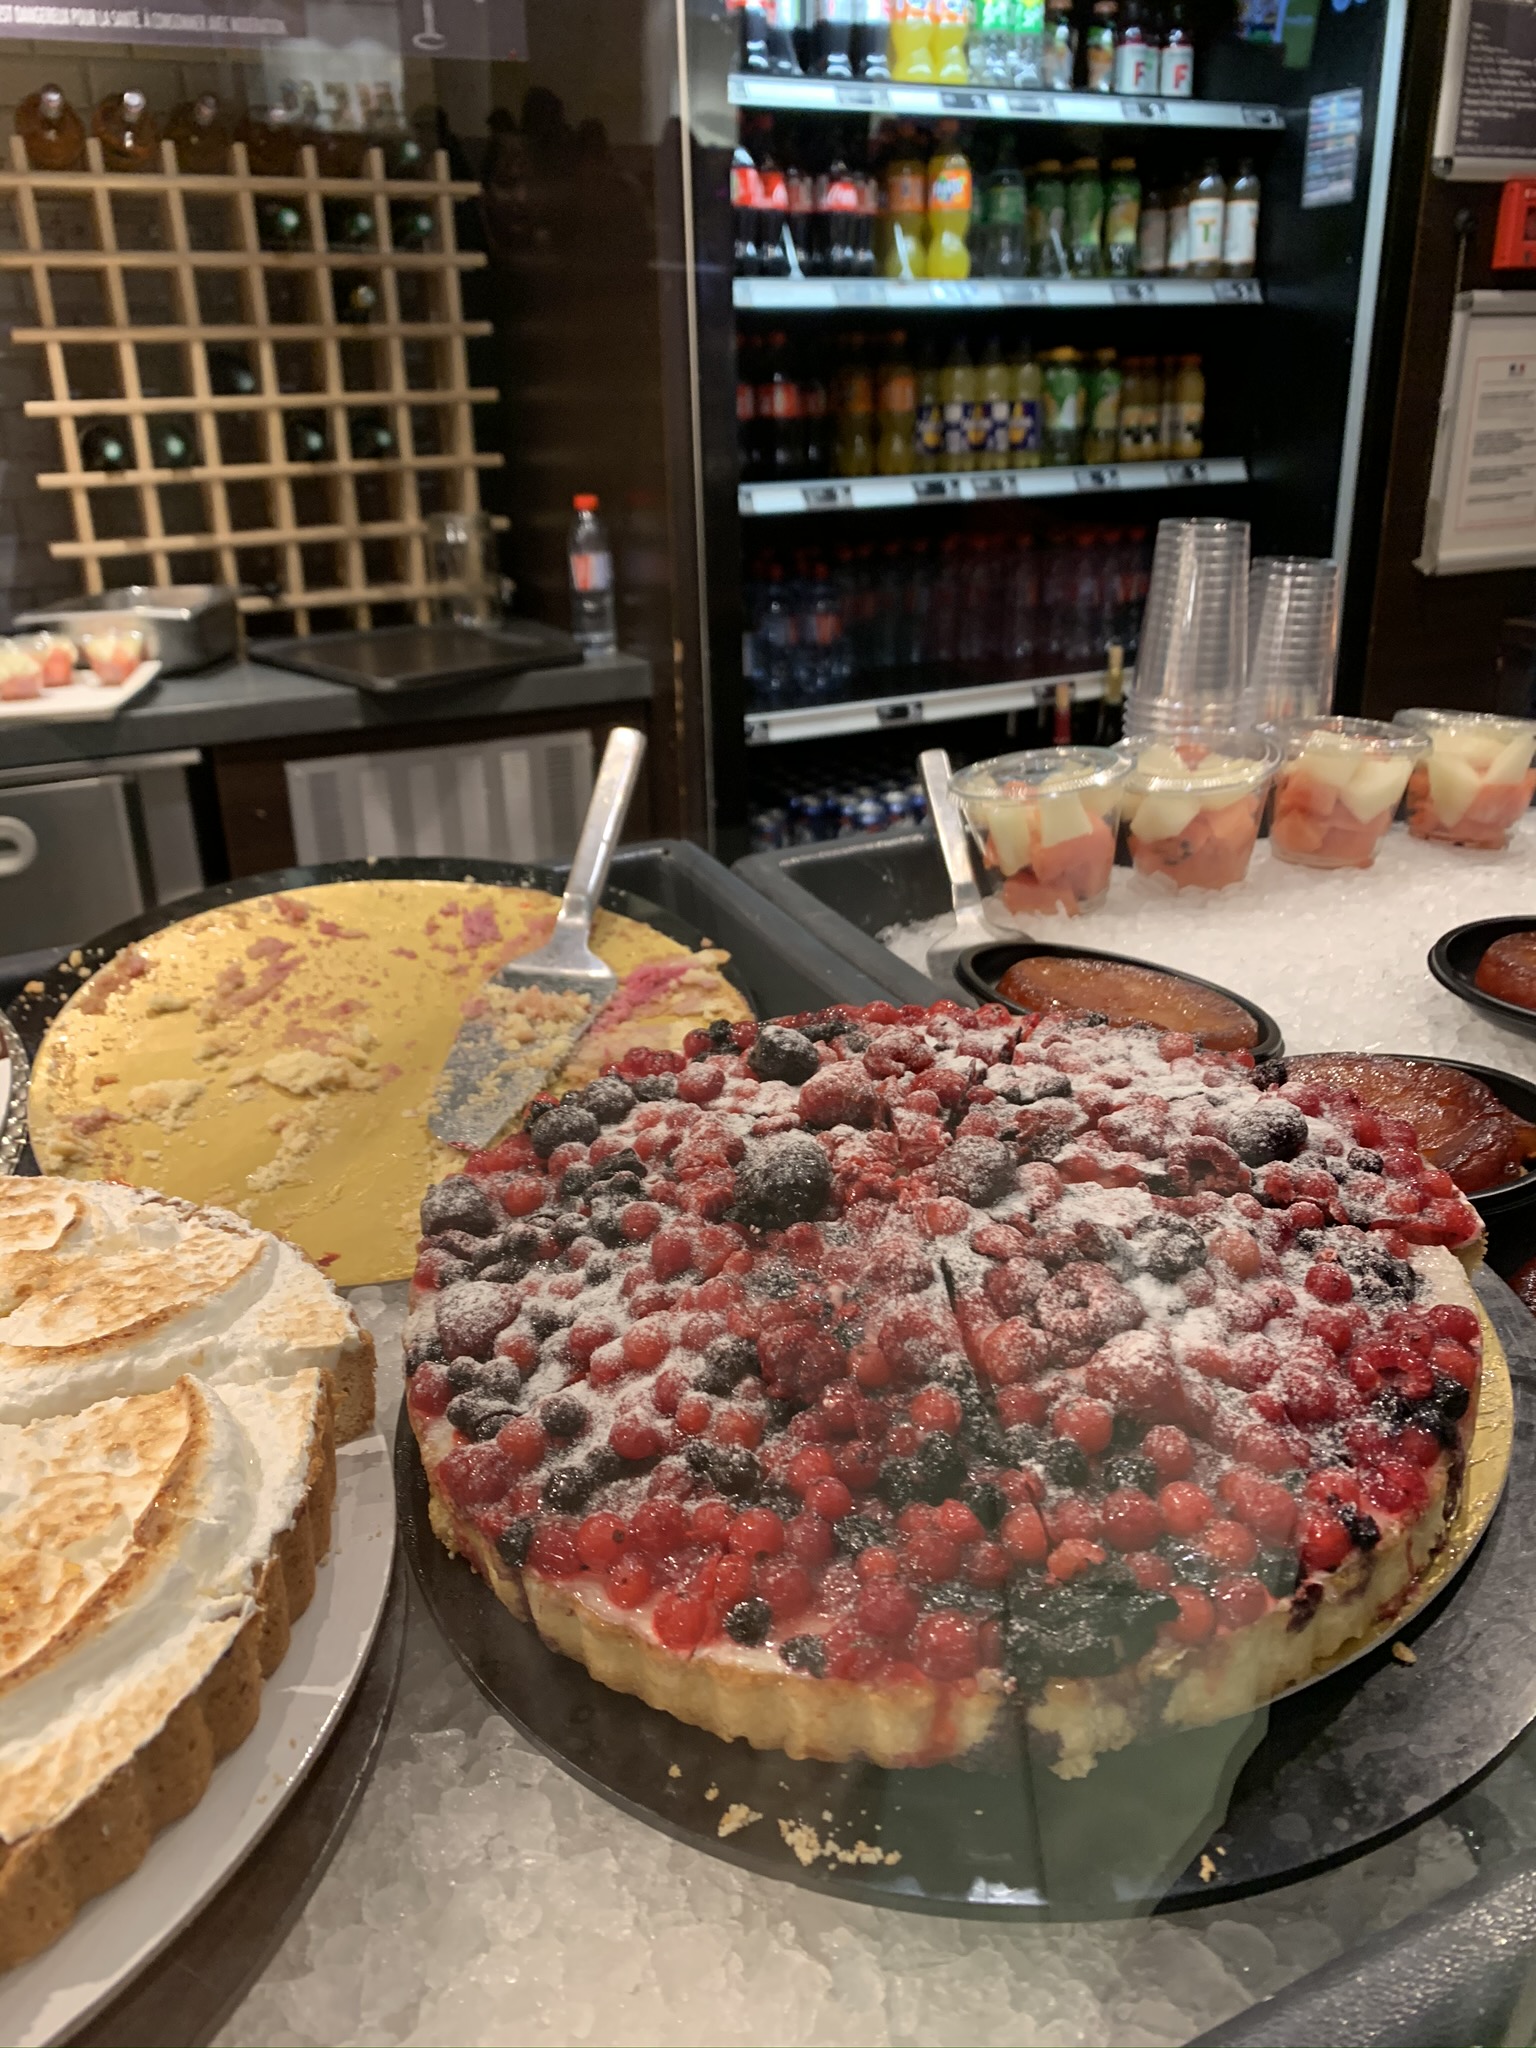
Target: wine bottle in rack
point(371, 436)
point(357, 299)
point(127, 132)
point(52, 130)
point(106, 447)
point(410, 224)
point(198, 129)
point(173, 443)
point(279, 224)
point(305, 438)
point(230, 374)
point(271, 139)
point(348, 224)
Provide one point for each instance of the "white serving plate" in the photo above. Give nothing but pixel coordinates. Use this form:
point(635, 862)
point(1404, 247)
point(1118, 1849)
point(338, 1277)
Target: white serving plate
point(50, 1998)
point(84, 698)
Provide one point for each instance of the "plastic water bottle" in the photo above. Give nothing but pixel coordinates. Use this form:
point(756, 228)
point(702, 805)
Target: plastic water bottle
point(593, 624)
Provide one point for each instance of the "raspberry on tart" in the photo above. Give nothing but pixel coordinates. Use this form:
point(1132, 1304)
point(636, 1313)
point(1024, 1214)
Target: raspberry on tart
point(861, 1382)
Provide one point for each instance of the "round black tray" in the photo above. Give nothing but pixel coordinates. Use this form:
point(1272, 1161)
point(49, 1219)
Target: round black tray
point(1453, 961)
point(1212, 1814)
point(983, 967)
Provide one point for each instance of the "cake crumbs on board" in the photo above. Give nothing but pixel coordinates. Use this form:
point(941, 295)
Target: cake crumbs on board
point(808, 1847)
point(1403, 1654)
point(1207, 1869)
point(735, 1818)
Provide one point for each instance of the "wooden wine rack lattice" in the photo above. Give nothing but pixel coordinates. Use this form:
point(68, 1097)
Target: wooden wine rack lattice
point(343, 535)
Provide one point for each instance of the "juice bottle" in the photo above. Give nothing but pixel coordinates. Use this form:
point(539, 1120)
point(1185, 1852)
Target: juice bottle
point(949, 206)
point(996, 382)
point(1207, 221)
point(1005, 239)
point(1058, 60)
point(1024, 428)
point(1122, 218)
point(906, 210)
point(1062, 407)
point(928, 446)
point(1176, 69)
point(957, 392)
point(1178, 231)
point(1103, 395)
point(912, 42)
point(1048, 221)
point(1168, 408)
point(895, 451)
point(1099, 47)
point(951, 33)
point(1085, 220)
point(52, 130)
point(1188, 411)
point(1132, 388)
point(1152, 236)
point(1136, 54)
point(1240, 236)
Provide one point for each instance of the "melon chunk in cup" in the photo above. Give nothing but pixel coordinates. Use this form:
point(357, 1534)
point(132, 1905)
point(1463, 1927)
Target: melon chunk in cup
point(1478, 779)
point(1044, 823)
point(1338, 789)
point(1193, 806)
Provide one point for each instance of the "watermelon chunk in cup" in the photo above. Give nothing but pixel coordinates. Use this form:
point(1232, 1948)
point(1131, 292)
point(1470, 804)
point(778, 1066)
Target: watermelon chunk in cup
point(1478, 780)
point(1044, 823)
point(1194, 801)
point(1338, 789)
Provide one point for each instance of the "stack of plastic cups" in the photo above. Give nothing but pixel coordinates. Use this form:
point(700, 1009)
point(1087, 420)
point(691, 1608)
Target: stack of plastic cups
point(1293, 636)
point(1192, 667)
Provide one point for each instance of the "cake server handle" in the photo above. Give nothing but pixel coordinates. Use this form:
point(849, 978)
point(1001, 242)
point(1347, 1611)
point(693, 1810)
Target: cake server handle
point(933, 766)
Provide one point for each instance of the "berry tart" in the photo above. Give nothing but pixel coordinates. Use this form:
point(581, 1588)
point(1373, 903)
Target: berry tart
point(860, 1383)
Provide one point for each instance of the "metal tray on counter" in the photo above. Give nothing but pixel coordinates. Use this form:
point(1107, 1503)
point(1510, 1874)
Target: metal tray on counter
point(186, 626)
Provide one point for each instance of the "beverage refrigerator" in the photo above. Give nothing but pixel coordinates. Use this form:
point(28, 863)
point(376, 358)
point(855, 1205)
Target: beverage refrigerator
point(855, 605)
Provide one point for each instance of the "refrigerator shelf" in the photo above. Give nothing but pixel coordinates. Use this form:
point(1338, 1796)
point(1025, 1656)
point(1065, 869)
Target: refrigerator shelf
point(828, 294)
point(927, 707)
point(990, 487)
point(978, 103)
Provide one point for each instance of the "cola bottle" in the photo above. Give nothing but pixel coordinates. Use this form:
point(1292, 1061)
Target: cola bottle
point(785, 18)
point(871, 42)
point(744, 206)
point(833, 41)
point(752, 47)
point(772, 212)
point(840, 203)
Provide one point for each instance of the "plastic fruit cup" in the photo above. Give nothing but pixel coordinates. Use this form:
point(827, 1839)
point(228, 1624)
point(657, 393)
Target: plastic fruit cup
point(1338, 789)
point(1045, 823)
point(56, 655)
point(113, 655)
point(1478, 779)
point(21, 673)
point(1194, 801)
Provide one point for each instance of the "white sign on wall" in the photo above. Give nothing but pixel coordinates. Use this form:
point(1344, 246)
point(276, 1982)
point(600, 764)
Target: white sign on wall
point(1481, 512)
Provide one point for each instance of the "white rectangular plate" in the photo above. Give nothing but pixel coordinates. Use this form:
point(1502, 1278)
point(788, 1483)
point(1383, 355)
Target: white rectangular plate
point(51, 1997)
point(82, 699)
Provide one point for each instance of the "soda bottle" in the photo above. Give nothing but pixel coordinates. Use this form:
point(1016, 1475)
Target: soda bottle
point(1188, 411)
point(958, 393)
point(949, 206)
point(744, 209)
point(1168, 408)
point(784, 18)
point(832, 39)
point(928, 446)
point(1026, 45)
point(865, 263)
point(1058, 57)
point(1048, 221)
point(752, 34)
point(200, 135)
point(1062, 406)
point(817, 454)
point(1122, 218)
point(1005, 241)
point(778, 403)
point(773, 240)
point(872, 54)
point(951, 33)
point(1102, 394)
point(1024, 428)
point(593, 625)
point(1085, 220)
point(897, 451)
point(906, 210)
point(1240, 236)
point(991, 46)
point(1132, 410)
point(1207, 221)
point(1176, 68)
point(52, 130)
point(996, 391)
point(126, 130)
point(912, 26)
point(1099, 48)
point(1152, 236)
point(746, 408)
point(839, 205)
point(856, 415)
point(1136, 54)
point(802, 220)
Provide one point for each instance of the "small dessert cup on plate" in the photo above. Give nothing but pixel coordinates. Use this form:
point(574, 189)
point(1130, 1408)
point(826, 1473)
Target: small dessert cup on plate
point(1045, 824)
point(1193, 803)
point(21, 671)
point(1338, 789)
point(113, 654)
point(1477, 780)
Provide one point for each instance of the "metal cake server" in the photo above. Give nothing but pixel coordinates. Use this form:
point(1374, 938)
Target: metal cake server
point(534, 1010)
point(971, 927)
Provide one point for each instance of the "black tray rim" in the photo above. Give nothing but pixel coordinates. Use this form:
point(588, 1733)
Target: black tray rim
point(1452, 978)
point(1271, 1043)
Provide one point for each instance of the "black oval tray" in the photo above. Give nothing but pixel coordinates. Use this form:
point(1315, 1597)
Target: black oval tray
point(1205, 1816)
point(981, 969)
point(1453, 960)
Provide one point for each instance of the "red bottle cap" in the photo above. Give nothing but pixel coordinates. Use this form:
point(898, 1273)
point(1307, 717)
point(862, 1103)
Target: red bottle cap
point(585, 503)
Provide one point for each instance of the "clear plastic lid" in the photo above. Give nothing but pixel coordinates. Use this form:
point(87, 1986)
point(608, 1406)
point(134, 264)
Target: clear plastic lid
point(1043, 772)
point(1488, 732)
point(1350, 736)
point(1202, 760)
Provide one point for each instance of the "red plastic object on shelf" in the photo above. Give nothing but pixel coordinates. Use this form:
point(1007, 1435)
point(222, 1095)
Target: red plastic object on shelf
point(1514, 240)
